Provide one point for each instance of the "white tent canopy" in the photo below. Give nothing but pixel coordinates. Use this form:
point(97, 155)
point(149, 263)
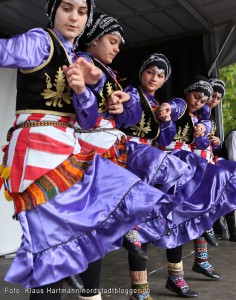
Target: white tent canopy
point(145, 21)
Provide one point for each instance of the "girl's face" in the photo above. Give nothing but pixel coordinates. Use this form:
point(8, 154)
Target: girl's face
point(152, 79)
point(106, 48)
point(195, 101)
point(70, 18)
point(215, 99)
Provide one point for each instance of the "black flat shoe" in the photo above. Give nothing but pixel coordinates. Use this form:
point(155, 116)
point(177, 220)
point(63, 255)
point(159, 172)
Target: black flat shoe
point(212, 274)
point(185, 292)
point(75, 282)
point(211, 238)
point(134, 250)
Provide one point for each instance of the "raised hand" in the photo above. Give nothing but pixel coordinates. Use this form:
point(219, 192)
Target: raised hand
point(215, 140)
point(199, 130)
point(92, 74)
point(75, 77)
point(114, 104)
point(164, 112)
point(124, 97)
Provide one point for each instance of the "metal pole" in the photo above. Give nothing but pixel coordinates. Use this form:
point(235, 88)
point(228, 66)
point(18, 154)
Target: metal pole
point(222, 48)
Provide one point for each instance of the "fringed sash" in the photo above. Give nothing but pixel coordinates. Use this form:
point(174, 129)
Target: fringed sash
point(54, 182)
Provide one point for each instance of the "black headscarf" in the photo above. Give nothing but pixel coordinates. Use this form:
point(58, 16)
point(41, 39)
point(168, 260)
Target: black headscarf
point(218, 86)
point(52, 6)
point(102, 24)
point(160, 61)
point(201, 84)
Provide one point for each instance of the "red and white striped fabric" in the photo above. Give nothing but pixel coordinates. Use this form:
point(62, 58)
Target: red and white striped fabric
point(33, 151)
point(140, 140)
point(206, 153)
point(100, 140)
point(176, 146)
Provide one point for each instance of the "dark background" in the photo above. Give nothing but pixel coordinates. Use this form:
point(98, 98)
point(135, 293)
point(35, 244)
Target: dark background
point(186, 57)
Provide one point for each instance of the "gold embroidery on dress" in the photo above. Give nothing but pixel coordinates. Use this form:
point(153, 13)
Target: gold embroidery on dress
point(58, 96)
point(182, 134)
point(143, 128)
point(213, 131)
point(101, 104)
point(109, 90)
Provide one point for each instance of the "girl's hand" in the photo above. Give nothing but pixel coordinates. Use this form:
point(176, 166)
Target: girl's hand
point(124, 97)
point(199, 130)
point(114, 105)
point(215, 140)
point(75, 77)
point(164, 112)
point(92, 74)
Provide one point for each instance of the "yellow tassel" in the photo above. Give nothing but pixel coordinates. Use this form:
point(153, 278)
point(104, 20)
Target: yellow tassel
point(6, 173)
point(1, 169)
point(7, 195)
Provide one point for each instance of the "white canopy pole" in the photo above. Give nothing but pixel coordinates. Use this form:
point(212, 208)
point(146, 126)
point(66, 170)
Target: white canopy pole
point(219, 53)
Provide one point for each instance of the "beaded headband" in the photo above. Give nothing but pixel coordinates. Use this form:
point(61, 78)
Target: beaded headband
point(200, 86)
point(218, 86)
point(158, 60)
point(52, 5)
point(102, 25)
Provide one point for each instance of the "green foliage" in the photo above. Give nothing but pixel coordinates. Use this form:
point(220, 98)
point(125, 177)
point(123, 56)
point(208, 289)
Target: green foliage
point(228, 75)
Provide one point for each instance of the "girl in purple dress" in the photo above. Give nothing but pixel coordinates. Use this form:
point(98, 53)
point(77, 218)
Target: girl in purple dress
point(202, 147)
point(188, 133)
point(162, 120)
point(73, 206)
point(102, 41)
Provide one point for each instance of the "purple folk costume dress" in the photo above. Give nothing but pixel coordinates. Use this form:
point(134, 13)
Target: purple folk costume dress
point(149, 130)
point(187, 227)
point(148, 163)
point(142, 159)
point(216, 191)
point(69, 217)
point(205, 113)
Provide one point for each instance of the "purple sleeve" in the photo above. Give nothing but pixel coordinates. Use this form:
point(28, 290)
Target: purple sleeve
point(214, 148)
point(167, 133)
point(168, 129)
point(208, 125)
point(86, 108)
point(204, 113)
point(99, 86)
point(132, 109)
point(202, 142)
point(178, 107)
point(26, 50)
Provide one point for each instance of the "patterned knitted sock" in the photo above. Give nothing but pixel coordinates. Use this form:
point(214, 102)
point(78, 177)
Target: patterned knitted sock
point(133, 236)
point(140, 292)
point(201, 254)
point(176, 275)
point(139, 286)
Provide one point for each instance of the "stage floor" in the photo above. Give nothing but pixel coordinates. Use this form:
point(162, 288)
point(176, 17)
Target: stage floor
point(115, 282)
